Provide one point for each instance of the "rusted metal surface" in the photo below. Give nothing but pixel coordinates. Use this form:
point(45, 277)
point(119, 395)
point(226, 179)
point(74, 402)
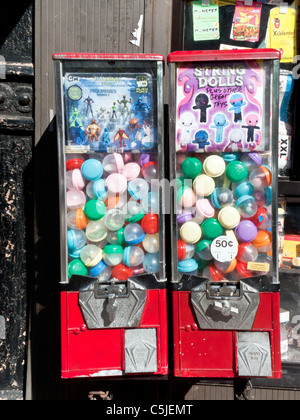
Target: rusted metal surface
point(16, 211)
point(15, 193)
point(16, 23)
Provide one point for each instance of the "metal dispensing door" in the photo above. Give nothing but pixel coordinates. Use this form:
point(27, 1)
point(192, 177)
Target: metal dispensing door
point(223, 139)
point(110, 141)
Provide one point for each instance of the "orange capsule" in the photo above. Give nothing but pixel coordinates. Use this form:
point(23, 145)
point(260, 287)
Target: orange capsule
point(81, 219)
point(267, 174)
point(112, 201)
point(263, 241)
point(226, 267)
point(263, 238)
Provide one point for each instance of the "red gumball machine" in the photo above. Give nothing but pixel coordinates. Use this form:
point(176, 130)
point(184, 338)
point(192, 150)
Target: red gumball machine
point(223, 141)
point(113, 282)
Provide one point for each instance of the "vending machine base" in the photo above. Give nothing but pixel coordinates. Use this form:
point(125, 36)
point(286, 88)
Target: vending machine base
point(226, 330)
point(114, 328)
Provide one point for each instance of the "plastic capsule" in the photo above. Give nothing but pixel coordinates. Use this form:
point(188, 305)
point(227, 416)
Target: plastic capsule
point(113, 254)
point(247, 252)
point(221, 197)
point(260, 177)
point(116, 237)
point(213, 273)
point(150, 171)
point(114, 219)
point(226, 267)
point(133, 256)
point(96, 231)
point(113, 163)
point(189, 266)
point(121, 272)
point(184, 251)
point(102, 271)
point(91, 255)
point(246, 205)
point(151, 263)
point(76, 219)
point(91, 169)
point(75, 180)
point(203, 250)
point(133, 234)
point(77, 267)
point(75, 199)
point(76, 239)
point(151, 243)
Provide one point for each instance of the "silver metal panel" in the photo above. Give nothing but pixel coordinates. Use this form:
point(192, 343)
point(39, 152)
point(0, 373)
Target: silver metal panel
point(114, 309)
point(219, 312)
point(140, 350)
point(254, 354)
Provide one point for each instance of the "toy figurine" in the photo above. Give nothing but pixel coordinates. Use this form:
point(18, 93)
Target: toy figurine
point(89, 101)
point(93, 131)
point(220, 124)
point(188, 123)
point(237, 101)
point(202, 104)
point(251, 121)
point(124, 102)
point(101, 114)
point(134, 125)
point(76, 126)
point(201, 138)
point(141, 106)
point(76, 119)
point(148, 139)
point(114, 111)
point(120, 138)
point(235, 140)
point(105, 138)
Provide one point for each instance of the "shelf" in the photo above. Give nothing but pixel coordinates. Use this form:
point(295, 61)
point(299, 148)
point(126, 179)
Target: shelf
point(289, 271)
point(287, 268)
point(289, 188)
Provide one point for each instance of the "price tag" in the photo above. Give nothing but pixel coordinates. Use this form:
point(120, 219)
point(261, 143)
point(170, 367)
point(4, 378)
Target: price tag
point(224, 249)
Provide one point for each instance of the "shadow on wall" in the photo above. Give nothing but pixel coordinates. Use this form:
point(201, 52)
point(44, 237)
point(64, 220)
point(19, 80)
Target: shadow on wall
point(45, 335)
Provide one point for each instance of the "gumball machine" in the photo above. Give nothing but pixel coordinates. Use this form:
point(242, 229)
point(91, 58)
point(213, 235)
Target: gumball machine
point(223, 142)
point(111, 160)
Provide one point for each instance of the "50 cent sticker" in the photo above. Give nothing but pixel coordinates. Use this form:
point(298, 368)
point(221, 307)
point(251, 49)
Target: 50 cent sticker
point(224, 249)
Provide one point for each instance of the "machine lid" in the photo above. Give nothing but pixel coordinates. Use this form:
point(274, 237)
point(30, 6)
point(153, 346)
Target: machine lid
point(87, 56)
point(224, 55)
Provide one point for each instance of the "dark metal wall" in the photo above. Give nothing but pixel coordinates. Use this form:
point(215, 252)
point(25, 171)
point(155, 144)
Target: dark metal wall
point(16, 141)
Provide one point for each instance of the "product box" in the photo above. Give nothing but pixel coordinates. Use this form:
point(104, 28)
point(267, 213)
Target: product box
point(291, 247)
